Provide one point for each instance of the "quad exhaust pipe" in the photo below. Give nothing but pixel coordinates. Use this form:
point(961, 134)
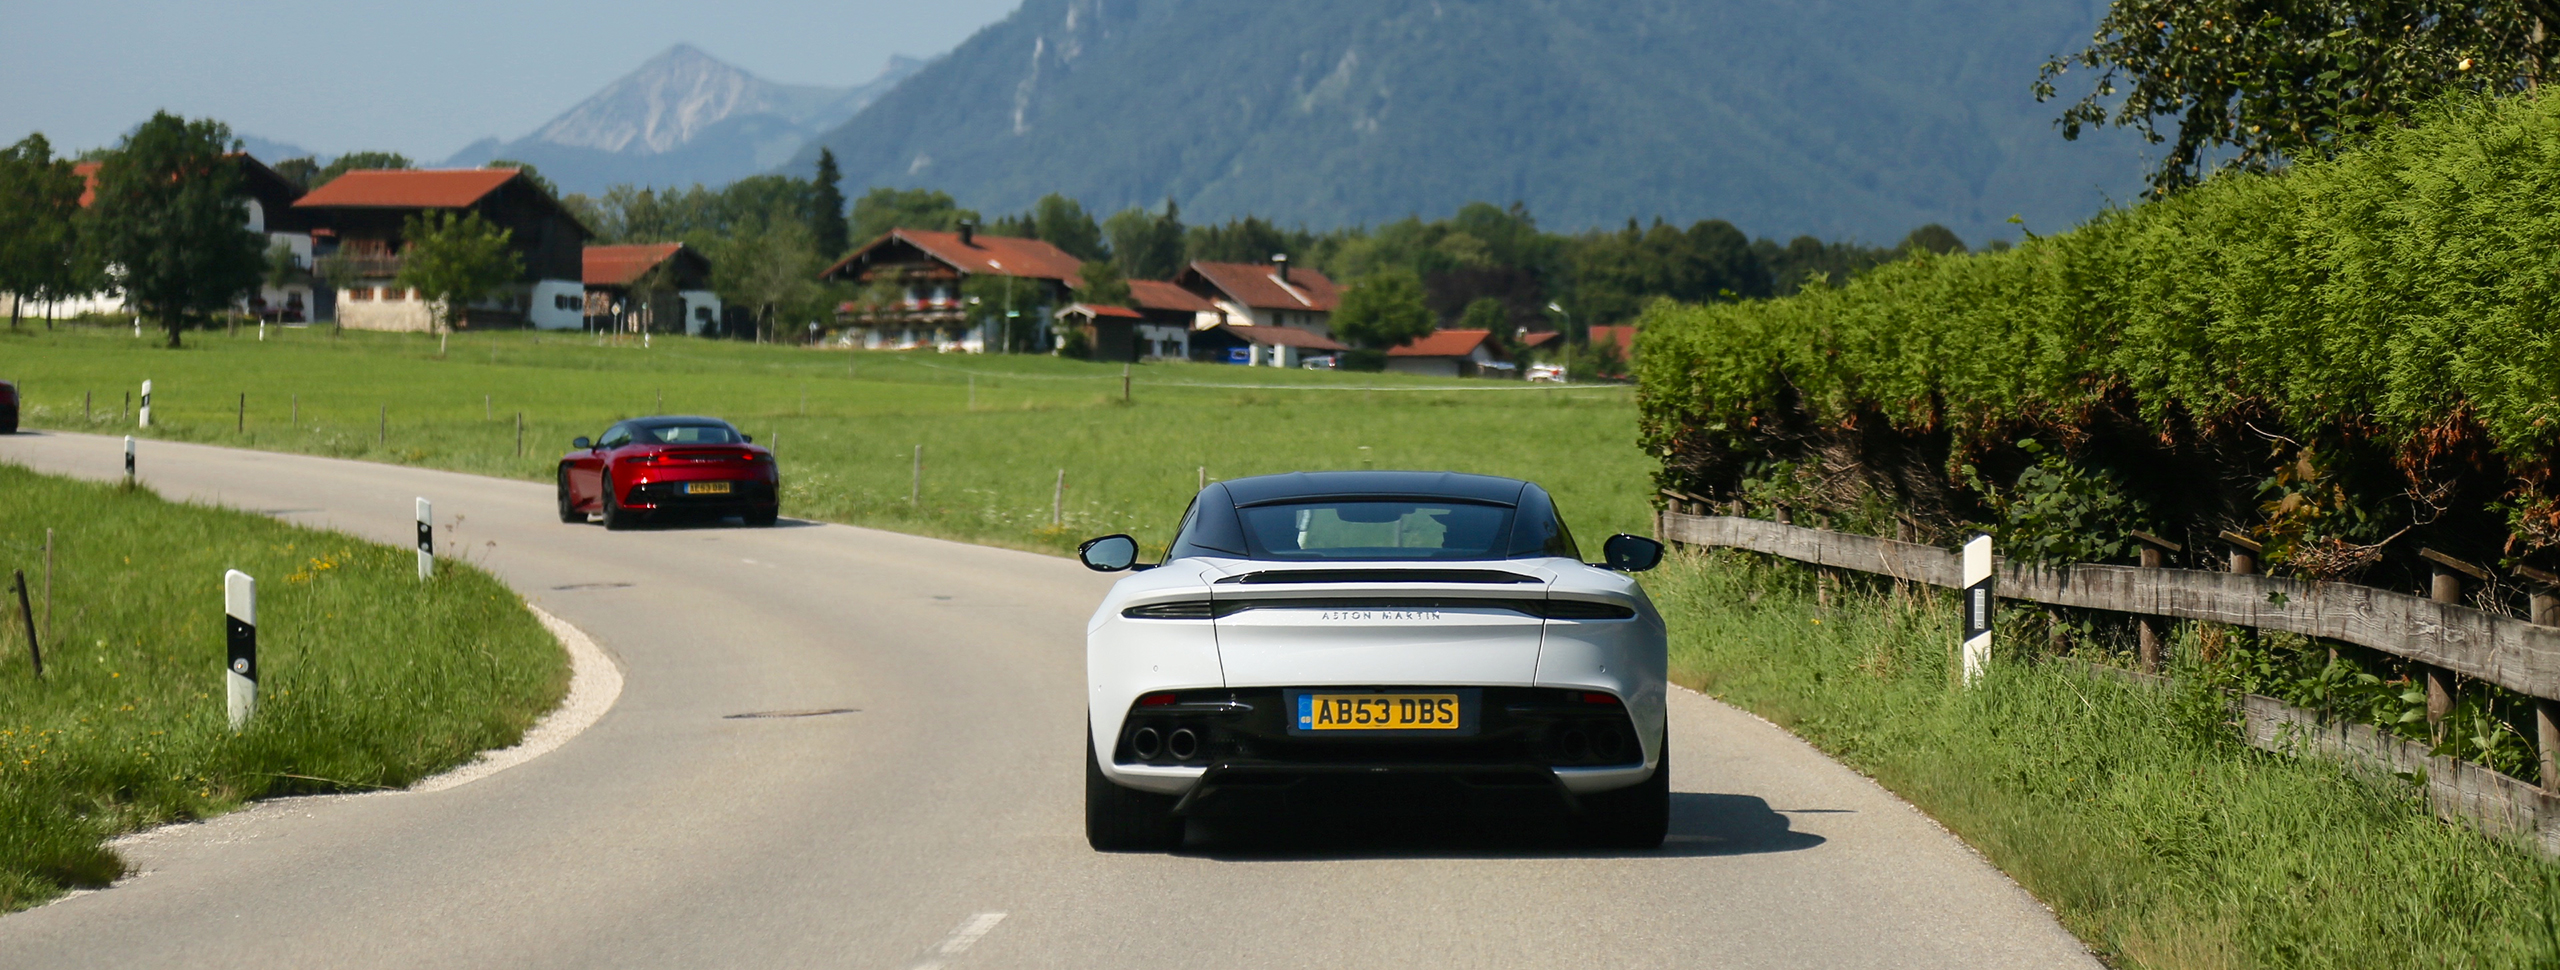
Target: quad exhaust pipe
point(1182, 745)
point(1146, 743)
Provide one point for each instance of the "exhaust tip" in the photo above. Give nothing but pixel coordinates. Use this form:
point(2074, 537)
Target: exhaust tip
point(1574, 745)
point(1146, 743)
point(1610, 745)
point(1182, 745)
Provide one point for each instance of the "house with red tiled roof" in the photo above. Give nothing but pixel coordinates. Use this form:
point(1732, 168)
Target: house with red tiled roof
point(1264, 295)
point(923, 271)
point(1449, 353)
point(359, 217)
point(650, 288)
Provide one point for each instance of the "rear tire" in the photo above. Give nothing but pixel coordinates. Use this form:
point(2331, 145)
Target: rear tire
point(1118, 819)
point(568, 506)
point(1635, 817)
point(616, 517)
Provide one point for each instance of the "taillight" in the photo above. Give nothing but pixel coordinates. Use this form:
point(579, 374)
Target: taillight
point(1156, 700)
point(1593, 697)
point(1181, 610)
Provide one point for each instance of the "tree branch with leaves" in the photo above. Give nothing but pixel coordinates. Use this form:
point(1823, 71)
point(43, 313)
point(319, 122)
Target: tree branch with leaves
point(452, 260)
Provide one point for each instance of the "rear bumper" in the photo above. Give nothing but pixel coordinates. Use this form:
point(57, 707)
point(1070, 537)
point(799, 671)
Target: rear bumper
point(670, 496)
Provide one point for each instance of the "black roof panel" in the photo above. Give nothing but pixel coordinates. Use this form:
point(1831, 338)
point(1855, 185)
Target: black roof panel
point(1266, 489)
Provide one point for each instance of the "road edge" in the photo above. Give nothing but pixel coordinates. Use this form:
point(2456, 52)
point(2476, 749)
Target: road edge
point(595, 683)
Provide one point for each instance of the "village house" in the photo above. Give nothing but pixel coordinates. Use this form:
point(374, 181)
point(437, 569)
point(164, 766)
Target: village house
point(925, 269)
point(1450, 353)
point(358, 219)
point(679, 298)
point(1160, 326)
point(1254, 302)
point(269, 211)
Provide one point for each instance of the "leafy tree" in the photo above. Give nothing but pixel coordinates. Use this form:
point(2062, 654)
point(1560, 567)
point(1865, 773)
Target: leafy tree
point(1490, 315)
point(1062, 222)
point(354, 161)
point(773, 269)
point(1245, 240)
point(2257, 82)
point(282, 268)
point(39, 209)
point(1933, 238)
point(1807, 261)
point(453, 260)
point(1147, 247)
point(1384, 310)
point(167, 220)
point(1103, 285)
point(826, 218)
point(530, 174)
point(883, 209)
point(303, 173)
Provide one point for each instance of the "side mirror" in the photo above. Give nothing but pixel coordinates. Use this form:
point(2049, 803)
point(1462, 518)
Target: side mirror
point(1630, 554)
point(580, 443)
point(1109, 554)
point(748, 438)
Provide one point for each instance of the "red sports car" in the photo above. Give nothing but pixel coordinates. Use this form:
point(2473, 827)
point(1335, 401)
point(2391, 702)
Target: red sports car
point(669, 466)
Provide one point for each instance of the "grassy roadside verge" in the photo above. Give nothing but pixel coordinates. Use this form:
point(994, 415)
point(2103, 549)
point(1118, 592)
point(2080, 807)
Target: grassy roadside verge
point(369, 678)
point(2134, 812)
point(995, 430)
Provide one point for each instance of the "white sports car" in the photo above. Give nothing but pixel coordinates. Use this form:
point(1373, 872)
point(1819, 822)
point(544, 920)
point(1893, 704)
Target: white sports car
point(1406, 642)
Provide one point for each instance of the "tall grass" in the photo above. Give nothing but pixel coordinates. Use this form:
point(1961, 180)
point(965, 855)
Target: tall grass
point(995, 431)
point(369, 678)
point(2134, 811)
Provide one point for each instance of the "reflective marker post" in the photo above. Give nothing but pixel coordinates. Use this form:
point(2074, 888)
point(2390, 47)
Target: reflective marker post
point(426, 540)
point(1977, 607)
point(128, 461)
point(146, 404)
point(240, 624)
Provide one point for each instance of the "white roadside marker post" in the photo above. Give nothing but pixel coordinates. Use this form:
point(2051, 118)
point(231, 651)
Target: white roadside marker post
point(1977, 607)
point(128, 461)
point(240, 626)
point(426, 540)
point(146, 404)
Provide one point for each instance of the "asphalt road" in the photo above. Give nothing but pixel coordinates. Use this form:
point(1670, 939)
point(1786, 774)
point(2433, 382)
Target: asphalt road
point(938, 824)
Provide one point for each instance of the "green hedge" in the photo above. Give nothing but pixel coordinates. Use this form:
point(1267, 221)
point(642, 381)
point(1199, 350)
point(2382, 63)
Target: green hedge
point(2362, 351)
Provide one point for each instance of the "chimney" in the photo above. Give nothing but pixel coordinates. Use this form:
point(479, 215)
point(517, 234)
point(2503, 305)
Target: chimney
point(1280, 265)
point(968, 234)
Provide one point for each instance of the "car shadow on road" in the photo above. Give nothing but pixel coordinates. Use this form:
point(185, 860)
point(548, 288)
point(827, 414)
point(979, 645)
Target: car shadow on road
point(1701, 825)
point(731, 523)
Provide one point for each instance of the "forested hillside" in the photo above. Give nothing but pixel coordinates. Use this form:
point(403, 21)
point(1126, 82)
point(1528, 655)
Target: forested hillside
point(1842, 118)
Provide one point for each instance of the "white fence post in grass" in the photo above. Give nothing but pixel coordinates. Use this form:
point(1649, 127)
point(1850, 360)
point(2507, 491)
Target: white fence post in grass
point(1977, 607)
point(426, 539)
point(240, 628)
point(128, 461)
point(146, 404)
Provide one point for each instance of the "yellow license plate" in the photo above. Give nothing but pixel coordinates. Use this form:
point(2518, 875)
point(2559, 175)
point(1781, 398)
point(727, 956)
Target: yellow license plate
point(706, 488)
point(1378, 712)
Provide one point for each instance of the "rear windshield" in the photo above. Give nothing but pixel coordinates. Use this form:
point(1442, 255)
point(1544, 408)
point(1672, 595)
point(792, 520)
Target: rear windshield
point(688, 434)
point(1376, 529)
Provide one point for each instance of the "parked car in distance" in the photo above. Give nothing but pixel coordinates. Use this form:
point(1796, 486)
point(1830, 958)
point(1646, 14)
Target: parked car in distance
point(1546, 373)
point(669, 467)
point(8, 408)
point(1326, 362)
point(1424, 644)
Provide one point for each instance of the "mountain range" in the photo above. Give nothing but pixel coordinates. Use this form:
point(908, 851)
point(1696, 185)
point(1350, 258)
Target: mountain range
point(684, 117)
point(1844, 118)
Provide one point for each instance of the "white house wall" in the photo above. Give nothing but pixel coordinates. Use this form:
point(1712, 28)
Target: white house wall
point(556, 305)
point(696, 302)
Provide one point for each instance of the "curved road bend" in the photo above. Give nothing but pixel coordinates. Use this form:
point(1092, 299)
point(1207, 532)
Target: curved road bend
point(671, 834)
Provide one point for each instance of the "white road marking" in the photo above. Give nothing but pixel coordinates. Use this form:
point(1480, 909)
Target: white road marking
point(961, 939)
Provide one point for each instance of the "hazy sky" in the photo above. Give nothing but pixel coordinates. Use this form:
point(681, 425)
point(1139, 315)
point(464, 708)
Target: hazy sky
point(420, 78)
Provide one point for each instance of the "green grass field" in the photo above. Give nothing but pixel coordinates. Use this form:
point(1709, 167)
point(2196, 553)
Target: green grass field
point(2135, 812)
point(995, 430)
point(369, 678)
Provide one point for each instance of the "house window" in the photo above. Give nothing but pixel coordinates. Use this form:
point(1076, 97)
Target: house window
point(359, 293)
point(702, 313)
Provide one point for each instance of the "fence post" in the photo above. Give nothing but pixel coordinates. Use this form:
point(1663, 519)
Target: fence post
point(915, 483)
point(240, 626)
point(2244, 553)
point(2546, 712)
point(519, 434)
point(2445, 586)
point(426, 540)
point(1977, 607)
point(243, 426)
point(29, 614)
point(2149, 629)
point(1058, 501)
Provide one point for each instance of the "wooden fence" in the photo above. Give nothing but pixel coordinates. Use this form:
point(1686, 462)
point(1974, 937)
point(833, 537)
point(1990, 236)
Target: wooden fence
point(2444, 637)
